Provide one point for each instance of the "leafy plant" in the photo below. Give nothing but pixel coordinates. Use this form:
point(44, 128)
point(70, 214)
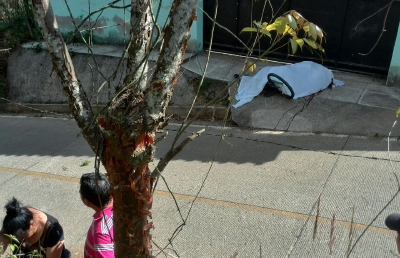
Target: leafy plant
point(85, 163)
point(38, 48)
point(19, 25)
point(292, 25)
point(15, 246)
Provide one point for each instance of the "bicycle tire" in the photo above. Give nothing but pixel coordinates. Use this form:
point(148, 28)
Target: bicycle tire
point(284, 83)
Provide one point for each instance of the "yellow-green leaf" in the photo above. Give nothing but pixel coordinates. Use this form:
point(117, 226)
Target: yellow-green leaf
point(12, 237)
point(293, 43)
point(300, 42)
point(271, 27)
point(264, 25)
point(265, 32)
point(265, 60)
point(290, 31)
point(398, 112)
point(249, 29)
point(291, 21)
point(314, 45)
point(258, 24)
point(280, 25)
point(311, 43)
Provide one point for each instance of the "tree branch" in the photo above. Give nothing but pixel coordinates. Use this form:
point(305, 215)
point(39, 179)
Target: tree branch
point(141, 27)
point(62, 63)
point(172, 153)
point(176, 37)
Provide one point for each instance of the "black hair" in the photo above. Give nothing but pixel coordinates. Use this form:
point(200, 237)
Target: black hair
point(91, 192)
point(17, 220)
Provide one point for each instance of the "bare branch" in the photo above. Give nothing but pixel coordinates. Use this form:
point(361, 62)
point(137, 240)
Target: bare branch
point(62, 63)
point(141, 27)
point(316, 218)
point(389, 5)
point(172, 153)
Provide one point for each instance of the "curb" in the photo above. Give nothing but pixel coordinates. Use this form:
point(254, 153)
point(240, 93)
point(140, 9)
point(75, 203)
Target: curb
point(181, 111)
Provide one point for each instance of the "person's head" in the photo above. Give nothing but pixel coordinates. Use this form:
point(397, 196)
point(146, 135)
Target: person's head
point(97, 194)
point(18, 220)
point(393, 221)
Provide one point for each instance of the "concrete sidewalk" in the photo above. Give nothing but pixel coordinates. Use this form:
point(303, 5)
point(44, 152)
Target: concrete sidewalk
point(258, 199)
point(363, 106)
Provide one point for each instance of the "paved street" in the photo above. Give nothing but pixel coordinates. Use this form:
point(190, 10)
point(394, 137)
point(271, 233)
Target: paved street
point(259, 197)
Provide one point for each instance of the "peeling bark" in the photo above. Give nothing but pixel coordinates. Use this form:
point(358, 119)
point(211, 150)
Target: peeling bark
point(141, 27)
point(176, 37)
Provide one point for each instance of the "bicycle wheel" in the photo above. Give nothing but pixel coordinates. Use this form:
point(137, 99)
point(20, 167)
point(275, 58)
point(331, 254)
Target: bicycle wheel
point(284, 87)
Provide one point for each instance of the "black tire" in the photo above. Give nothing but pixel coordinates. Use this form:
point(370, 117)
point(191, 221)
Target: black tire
point(283, 82)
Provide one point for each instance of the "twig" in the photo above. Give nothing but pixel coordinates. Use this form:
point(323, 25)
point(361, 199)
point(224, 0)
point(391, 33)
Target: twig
point(172, 153)
point(331, 237)
point(202, 77)
point(316, 218)
point(351, 234)
point(383, 28)
point(34, 109)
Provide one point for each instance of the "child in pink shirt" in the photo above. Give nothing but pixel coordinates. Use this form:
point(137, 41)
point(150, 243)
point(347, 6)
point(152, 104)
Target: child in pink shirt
point(100, 237)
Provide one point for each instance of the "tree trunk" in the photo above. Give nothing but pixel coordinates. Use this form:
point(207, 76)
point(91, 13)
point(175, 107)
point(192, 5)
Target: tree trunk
point(123, 135)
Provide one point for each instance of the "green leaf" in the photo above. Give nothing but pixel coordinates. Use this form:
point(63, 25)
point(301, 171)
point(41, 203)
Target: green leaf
point(12, 247)
point(310, 29)
point(291, 21)
point(265, 32)
point(314, 45)
point(264, 25)
point(258, 24)
point(12, 237)
point(293, 43)
point(280, 25)
point(265, 60)
point(311, 43)
point(249, 29)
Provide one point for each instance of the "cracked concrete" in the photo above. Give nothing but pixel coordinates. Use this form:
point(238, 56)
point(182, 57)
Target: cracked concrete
point(260, 193)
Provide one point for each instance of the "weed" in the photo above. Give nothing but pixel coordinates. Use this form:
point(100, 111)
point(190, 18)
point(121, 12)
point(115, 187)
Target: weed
point(64, 168)
point(85, 163)
point(38, 48)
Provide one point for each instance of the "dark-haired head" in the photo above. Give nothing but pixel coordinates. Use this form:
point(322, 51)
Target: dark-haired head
point(18, 219)
point(91, 192)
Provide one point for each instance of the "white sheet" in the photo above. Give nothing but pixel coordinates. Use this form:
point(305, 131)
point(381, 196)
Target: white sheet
point(305, 78)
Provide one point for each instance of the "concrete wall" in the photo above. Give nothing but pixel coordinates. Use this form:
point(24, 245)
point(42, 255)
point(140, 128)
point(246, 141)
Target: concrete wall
point(105, 24)
point(394, 69)
point(32, 80)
